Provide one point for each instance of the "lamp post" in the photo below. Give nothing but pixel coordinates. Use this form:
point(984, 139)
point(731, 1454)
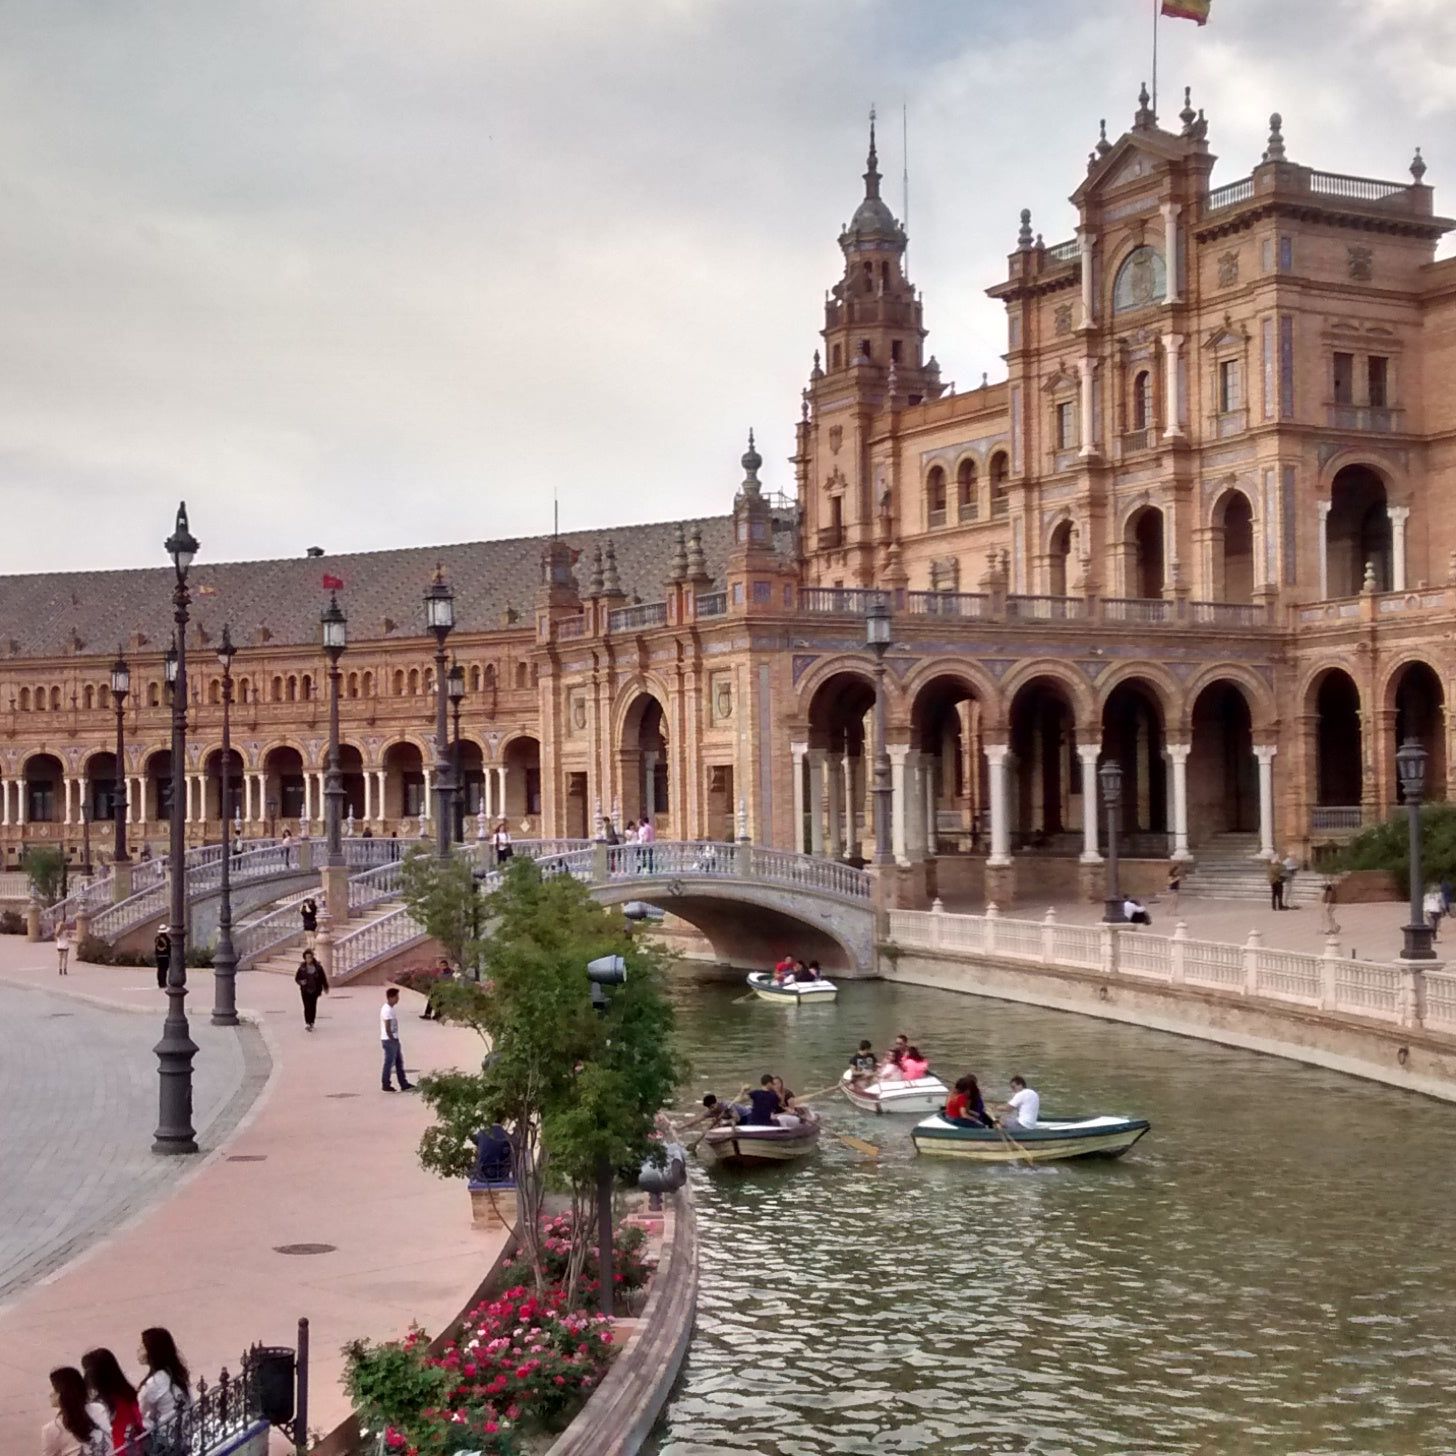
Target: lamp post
point(603, 972)
point(457, 697)
point(86, 829)
point(225, 958)
point(1110, 775)
point(877, 639)
point(120, 687)
point(336, 639)
point(440, 618)
point(1410, 765)
point(176, 1049)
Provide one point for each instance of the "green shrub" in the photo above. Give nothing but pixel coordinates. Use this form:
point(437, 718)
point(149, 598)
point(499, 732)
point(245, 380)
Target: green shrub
point(12, 922)
point(1387, 847)
point(45, 866)
point(95, 951)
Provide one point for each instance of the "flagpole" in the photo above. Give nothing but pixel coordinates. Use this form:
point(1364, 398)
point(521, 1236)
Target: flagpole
point(1156, 7)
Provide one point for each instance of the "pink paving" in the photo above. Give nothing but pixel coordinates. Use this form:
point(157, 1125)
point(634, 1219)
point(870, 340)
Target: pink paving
point(336, 1170)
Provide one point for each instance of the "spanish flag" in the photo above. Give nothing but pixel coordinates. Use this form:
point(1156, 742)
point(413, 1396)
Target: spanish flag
point(1187, 10)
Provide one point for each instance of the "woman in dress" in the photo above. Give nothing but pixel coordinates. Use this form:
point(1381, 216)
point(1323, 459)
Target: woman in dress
point(115, 1392)
point(501, 839)
point(63, 947)
point(163, 1394)
point(79, 1427)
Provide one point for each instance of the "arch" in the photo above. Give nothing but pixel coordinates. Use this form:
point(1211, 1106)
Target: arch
point(1000, 472)
point(1046, 770)
point(1134, 720)
point(968, 504)
point(471, 774)
point(403, 764)
point(283, 791)
point(837, 782)
point(947, 771)
point(154, 693)
point(55, 700)
point(1142, 399)
point(305, 687)
point(1071, 683)
point(1357, 531)
point(351, 779)
point(474, 677)
point(1059, 551)
point(214, 690)
point(212, 771)
point(1223, 775)
point(935, 496)
point(157, 784)
point(245, 690)
point(399, 682)
point(1144, 550)
point(521, 758)
point(277, 695)
point(25, 700)
point(1255, 690)
point(44, 788)
point(98, 770)
point(643, 757)
point(88, 697)
point(1140, 280)
point(351, 685)
point(1232, 523)
point(1418, 696)
point(1339, 739)
point(414, 682)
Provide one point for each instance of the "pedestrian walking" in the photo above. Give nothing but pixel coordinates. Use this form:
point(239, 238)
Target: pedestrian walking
point(1327, 902)
point(1175, 883)
point(308, 913)
point(286, 844)
point(501, 839)
point(444, 971)
point(647, 836)
point(1276, 885)
point(162, 951)
point(81, 1426)
point(389, 1039)
point(63, 947)
point(1434, 909)
point(312, 983)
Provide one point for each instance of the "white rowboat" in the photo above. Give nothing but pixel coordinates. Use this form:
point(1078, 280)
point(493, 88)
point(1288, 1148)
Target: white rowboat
point(923, 1095)
point(795, 994)
point(1056, 1140)
point(750, 1146)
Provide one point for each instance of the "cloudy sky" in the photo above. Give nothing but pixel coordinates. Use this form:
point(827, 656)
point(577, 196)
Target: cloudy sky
point(355, 273)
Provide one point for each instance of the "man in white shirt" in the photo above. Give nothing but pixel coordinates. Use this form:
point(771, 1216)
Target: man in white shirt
point(389, 1039)
point(1022, 1111)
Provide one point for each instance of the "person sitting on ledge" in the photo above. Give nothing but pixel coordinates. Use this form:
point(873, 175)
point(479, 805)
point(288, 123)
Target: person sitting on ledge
point(493, 1159)
point(1135, 912)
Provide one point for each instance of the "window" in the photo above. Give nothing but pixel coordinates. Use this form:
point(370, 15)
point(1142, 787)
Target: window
point(90, 696)
point(1000, 483)
point(1141, 281)
point(40, 807)
point(1379, 381)
point(292, 688)
point(520, 675)
point(25, 699)
point(153, 694)
point(277, 689)
point(245, 690)
point(935, 495)
point(368, 684)
point(836, 357)
point(414, 682)
point(55, 700)
point(1344, 377)
point(533, 790)
point(966, 500)
point(1066, 424)
point(1142, 400)
point(895, 351)
point(865, 350)
point(1230, 394)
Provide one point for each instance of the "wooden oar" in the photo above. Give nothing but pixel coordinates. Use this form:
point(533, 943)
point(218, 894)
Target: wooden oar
point(858, 1145)
point(809, 1096)
point(1007, 1138)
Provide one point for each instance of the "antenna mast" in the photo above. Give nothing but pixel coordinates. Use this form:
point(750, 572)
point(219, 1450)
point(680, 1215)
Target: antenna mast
point(905, 172)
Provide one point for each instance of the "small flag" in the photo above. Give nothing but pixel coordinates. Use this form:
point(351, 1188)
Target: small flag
point(333, 583)
point(1187, 10)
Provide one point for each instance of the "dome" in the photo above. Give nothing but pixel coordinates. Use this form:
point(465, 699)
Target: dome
point(873, 221)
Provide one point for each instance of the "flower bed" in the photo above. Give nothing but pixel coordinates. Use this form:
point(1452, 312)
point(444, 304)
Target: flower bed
point(518, 1369)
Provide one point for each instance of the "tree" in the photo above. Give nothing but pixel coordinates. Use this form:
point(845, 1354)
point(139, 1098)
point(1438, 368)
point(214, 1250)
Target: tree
point(572, 1087)
point(441, 896)
point(46, 867)
point(1387, 847)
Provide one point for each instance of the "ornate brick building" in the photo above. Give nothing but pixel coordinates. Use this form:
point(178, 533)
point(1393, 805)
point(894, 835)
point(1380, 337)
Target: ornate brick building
point(1197, 528)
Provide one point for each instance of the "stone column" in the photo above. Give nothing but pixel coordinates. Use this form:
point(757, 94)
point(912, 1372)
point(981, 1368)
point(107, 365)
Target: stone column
point(1172, 347)
point(379, 798)
point(851, 818)
point(139, 799)
point(649, 784)
point(1178, 773)
point(816, 757)
point(798, 754)
point(308, 797)
point(500, 792)
point(899, 752)
point(996, 756)
point(1089, 312)
point(1170, 211)
point(1089, 365)
point(429, 797)
point(1399, 515)
point(1324, 549)
point(1265, 754)
point(4, 802)
point(914, 811)
point(22, 815)
point(66, 786)
point(928, 765)
point(834, 766)
point(1088, 756)
point(368, 795)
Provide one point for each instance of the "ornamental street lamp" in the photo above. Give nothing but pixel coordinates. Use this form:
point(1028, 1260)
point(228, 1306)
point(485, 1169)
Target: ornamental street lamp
point(176, 1049)
point(336, 640)
point(457, 697)
point(1410, 765)
point(877, 639)
point(1110, 775)
point(120, 687)
point(440, 618)
point(603, 972)
point(225, 958)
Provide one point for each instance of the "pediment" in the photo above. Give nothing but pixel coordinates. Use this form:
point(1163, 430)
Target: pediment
point(1228, 335)
point(1066, 377)
point(1135, 157)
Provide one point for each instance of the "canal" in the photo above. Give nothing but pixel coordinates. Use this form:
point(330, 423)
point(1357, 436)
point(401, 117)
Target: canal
point(1271, 1270)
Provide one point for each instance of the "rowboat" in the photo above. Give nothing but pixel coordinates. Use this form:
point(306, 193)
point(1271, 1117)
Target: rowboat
point(794, 994)
point(924, 1094)
point(1053, 1141)
point(748, 1146)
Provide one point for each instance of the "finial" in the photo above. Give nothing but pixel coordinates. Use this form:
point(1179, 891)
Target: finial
point(679, 568)
point(1145, 116)
point(1368, 585)
point(892, 385)
point(438, 579)
point(1200, 127)
point(611, 581)
point(872, 163)
point(697, 563)
point(751, 462)
point(1103, 145)
point(817, 372)
point(594, 581)
point(1023, 237)
point(1188, 116)
point(1091, 161)
point(804, 405)
point(1418, 167)
point(1274, 152)
point(932, 365)
point(1040, 245)
point(984, 377)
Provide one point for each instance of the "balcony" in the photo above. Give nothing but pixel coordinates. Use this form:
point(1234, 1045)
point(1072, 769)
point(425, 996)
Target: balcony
point(1334, 818)
point(838, 601)
point(1229, 422)
point(946, 604)
point(829, 538)
point(569, 627)
point(1133, 441)
point(1378, 419)
point(638, 618)
point(937, 518)
point(1046, 609)
point(711, 604)
point(1227, 614)
point(1144, 610)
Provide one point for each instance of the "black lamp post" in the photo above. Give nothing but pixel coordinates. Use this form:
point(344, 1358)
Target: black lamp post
point(336, 639)
point(877, 639)
point(176, 1049)
point(1410, 765)
point(457, 697)
point(225, 958)
point(440, 618)
point(120, 687)
point(1110, 775)
point(603, 972)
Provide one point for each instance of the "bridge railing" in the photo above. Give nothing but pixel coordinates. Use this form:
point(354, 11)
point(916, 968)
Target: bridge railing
point(94, 895)
point(372, 886)
point(687, 858)
point(356, 948)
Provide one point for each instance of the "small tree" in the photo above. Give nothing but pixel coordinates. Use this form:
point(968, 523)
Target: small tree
point(442, 898)
point(1387, 847)
point(572, 1087)
point(45, 866)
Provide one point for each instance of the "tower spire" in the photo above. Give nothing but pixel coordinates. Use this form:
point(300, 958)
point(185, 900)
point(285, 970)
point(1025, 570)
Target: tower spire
point(872, 163)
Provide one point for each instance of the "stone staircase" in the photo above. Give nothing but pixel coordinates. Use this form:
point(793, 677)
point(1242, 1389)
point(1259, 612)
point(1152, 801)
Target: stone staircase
point(283, 959)
point(1227, 869)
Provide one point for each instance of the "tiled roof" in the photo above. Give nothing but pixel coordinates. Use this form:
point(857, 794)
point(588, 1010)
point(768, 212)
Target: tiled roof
point(93, 612)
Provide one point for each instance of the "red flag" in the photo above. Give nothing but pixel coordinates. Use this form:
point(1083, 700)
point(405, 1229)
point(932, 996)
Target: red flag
point(1187, 10)
point(333, 583)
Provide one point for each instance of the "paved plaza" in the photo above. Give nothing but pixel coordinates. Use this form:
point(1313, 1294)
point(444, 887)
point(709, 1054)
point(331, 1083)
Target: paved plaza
point(201, 1245)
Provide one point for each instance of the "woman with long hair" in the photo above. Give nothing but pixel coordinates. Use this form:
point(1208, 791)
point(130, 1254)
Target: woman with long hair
point(79, 1428)
point(163, 1393)
point(114, 1391)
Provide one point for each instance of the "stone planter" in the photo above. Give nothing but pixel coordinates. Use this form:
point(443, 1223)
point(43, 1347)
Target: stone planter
point(493, 1205)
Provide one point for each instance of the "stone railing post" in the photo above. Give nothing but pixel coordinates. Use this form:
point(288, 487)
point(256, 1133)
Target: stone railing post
point(937, 923)
point(1412, 1002)
point(121, 882)
point(323, 942)
point(305, 855)
point(32, 917)
point(743, 859)
point(83, 925)
point(1049, 935)
point(601, 862)
point(1176, 953)
point(1329, 975)
point(993, 914)
point(1109, 950)
point(1252, 946)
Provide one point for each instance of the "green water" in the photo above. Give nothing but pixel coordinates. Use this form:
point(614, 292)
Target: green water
point(1271, 1270)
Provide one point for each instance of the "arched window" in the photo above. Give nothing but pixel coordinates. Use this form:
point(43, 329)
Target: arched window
point(1000, 482)
point(520, 674)
point(89, 697)
point(935, 496)
point(214, 691)
point(306, 686)
point(245, 690)
point(475, 678)
point(25, 700)
point(1142, 400)
point(153, 694)
point(368, 684)
point(967, 505)
point(1142, 280)
point(414, 682)
point(490, 674)
point(352, 685)
point(55, 700)
point(535, 674)
point(428, 682)
point(292, 688)
point(278, 689)
point(399, 682)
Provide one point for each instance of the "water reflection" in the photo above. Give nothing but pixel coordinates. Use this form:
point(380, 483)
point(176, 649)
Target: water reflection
point(1268, 1271)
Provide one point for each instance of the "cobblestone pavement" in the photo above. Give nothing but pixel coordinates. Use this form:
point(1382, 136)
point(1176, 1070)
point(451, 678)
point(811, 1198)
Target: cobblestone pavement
point(78, 1084)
